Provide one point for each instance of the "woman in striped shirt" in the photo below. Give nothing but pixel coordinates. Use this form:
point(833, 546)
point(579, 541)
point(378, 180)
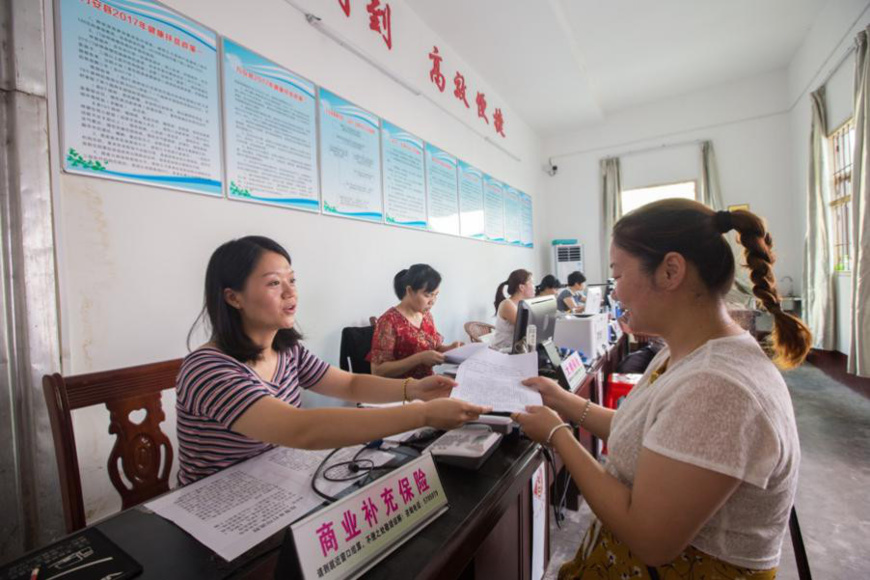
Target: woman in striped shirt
point(240, 393)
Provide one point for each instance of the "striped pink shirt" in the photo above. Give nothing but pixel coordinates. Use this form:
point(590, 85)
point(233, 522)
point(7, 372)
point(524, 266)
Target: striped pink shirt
point(213, 390)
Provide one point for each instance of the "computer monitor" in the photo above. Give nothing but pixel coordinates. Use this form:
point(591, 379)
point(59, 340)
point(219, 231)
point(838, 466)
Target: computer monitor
point(593, 300)
point(541, 312)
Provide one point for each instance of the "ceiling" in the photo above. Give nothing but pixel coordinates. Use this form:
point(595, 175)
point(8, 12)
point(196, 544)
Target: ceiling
point(562, 64)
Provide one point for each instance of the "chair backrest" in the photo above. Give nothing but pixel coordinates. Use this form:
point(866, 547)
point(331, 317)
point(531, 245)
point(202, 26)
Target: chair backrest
point(356, 343)
point(477, 329)
point(141, 450)
point(487, 338)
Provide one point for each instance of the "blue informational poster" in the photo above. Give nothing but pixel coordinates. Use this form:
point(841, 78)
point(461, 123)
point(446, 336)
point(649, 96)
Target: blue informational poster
point(270, 120)
point(441, 183)
point(350, 159)
point(139, 95)
point(470, 201)
point(404, 177)
point(512, 216)
point(527, 235)
point(493, 209)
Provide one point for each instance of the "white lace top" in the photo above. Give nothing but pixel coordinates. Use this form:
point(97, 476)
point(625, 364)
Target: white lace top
point(725, 408)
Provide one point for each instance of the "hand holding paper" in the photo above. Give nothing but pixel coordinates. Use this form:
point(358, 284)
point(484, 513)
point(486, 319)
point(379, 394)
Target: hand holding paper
point(495, 379)
point(461, 353)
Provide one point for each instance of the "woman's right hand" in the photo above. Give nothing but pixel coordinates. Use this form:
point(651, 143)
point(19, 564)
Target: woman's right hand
point(429, 358)
point(553, 395)
point(450, 413)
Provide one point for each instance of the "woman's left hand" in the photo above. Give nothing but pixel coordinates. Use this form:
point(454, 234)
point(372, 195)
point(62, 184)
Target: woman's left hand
point(537, 422)
point(433, 387)
point(452, 345)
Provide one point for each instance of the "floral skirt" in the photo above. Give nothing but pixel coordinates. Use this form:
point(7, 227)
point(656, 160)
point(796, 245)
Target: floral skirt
point(602, 557)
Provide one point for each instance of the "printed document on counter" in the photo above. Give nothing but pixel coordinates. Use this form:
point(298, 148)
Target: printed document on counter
point(233, 510)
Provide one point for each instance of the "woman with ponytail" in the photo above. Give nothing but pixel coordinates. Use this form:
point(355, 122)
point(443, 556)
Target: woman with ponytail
point(703, 453)
point(519, 286)
point(406, 343)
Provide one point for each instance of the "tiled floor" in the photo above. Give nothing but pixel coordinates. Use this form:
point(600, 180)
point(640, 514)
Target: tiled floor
point(833, 500)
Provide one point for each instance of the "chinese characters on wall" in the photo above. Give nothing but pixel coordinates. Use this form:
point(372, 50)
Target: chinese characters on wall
point(460, 92)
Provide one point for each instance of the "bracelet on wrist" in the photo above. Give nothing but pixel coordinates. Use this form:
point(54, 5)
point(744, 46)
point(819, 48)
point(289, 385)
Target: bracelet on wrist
point(584, 414)
point(405, 398)
point(553, 432)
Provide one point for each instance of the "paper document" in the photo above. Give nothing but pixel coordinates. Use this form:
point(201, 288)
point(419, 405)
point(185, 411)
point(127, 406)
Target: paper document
point(237, 508)
point(462, 353)
point(494, 379)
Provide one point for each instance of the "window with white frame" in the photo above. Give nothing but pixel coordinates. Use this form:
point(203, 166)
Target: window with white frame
point(635, 198)
point(841, 142)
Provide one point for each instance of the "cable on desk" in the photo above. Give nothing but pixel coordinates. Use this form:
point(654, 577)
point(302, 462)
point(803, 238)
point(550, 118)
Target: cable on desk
point(422, 440)
point(357, 466)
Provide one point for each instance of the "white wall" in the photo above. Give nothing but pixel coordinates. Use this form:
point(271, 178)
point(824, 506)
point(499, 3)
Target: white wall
point(132, 258)
point(748, 125)
point(820, 61)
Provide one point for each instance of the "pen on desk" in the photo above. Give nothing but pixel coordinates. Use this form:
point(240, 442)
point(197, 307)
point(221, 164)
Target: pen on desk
point(89, 564)
point(35, 573)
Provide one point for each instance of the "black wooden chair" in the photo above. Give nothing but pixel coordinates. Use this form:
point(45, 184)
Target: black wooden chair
point(356, 343)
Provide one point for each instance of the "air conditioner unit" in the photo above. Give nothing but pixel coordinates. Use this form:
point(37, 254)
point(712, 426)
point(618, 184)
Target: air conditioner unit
point(567, 259)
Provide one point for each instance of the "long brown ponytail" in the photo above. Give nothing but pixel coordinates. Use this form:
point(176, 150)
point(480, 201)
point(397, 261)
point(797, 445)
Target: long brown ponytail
point(697, 233)
point(791, 338)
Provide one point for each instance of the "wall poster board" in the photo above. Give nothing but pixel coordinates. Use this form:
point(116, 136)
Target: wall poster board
point(471, 201)
point(270, 120)
point(493, 209)
point(139, 95)
point(141, 100)
point(512, 216)
point(350, 159)
point(443, 191)
point(404, 177)
point(527, 236)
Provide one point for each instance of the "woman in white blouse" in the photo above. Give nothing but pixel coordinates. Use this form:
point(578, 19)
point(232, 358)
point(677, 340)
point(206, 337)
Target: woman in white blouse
point(703, 453)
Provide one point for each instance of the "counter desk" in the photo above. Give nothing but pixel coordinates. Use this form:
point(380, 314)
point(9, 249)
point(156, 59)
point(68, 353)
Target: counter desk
point(486, 532)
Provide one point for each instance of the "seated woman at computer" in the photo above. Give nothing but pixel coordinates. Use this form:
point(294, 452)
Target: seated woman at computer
point(519, 286)
point(570, 299)
point(240, 393)
point(549, 286)
point(703, 453)
point(405, 342)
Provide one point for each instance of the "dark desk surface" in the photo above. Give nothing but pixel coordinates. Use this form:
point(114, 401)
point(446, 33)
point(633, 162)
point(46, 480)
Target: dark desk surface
point(441, 550)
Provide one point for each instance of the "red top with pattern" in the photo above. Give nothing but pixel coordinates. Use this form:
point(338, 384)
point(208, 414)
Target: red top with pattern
point(396, 338)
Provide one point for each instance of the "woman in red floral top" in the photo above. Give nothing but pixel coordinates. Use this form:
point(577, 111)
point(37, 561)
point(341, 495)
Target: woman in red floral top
point(406, 343)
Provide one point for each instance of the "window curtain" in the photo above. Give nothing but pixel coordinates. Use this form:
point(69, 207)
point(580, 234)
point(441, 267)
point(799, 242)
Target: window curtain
point(818, 272)
point(859, 352)
point(611, 188)
point(710, 194)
